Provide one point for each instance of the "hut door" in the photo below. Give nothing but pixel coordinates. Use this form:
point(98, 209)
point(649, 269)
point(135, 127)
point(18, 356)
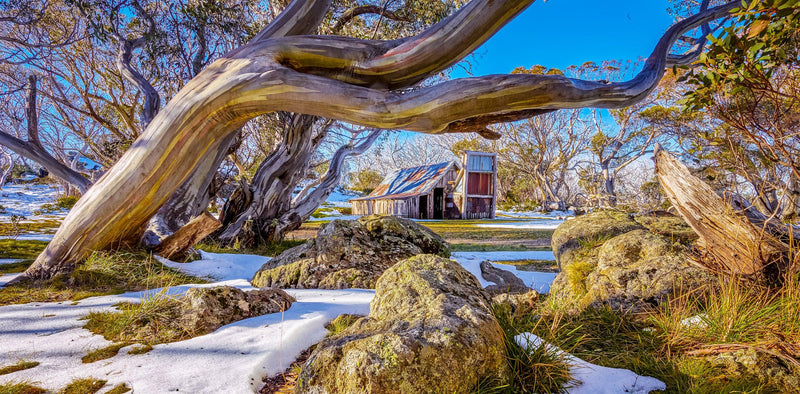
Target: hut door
point(438, 203)
point(423, 206)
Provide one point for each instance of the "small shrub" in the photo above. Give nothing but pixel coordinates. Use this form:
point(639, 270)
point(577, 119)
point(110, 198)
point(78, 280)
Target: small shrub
point(19, 366)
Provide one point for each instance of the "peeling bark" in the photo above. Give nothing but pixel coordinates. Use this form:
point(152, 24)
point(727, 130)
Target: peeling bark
point(176, 245)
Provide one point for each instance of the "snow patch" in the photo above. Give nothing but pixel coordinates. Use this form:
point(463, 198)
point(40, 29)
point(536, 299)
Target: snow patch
point(539, 281)
point(536, 224)
point(220, 266)
point(232, 359)
point(596, 379)
point(23, 199)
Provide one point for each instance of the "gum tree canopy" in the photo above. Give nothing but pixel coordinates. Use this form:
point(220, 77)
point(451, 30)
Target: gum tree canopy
point(364, 82)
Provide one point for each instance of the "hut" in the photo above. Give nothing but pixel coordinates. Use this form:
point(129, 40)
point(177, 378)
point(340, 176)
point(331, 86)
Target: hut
point(440, 191)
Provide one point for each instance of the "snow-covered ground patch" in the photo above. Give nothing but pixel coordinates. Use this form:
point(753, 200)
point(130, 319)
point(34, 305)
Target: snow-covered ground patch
point(220, 266)
point(23, 199)
point(596, 379)
point(5, 278)
point(29, 237)
point(534, 214)
point(341, 197)
point(232, 359)
point(534, 224)
point(539, 281)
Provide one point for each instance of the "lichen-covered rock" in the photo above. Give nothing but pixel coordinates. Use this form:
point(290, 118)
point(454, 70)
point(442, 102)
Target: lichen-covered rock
point(350, 254)
point(430, 329)
point(626, 267)
point(207, 308)
point(574, 235)
point(763, 366)
point(521, 304)
point(671, 226)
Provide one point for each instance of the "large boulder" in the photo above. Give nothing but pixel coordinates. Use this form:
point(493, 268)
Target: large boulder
point(207, 308)
point(608, 258)
point(574, 235)
point(350, 254)
point(430, 329)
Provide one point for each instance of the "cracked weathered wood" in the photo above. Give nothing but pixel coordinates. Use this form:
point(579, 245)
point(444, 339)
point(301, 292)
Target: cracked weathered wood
point(738, 246)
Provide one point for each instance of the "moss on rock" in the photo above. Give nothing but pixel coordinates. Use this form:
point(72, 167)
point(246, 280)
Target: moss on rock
point(609, 258)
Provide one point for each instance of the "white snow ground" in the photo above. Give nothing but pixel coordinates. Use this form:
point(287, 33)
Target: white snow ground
point(596, 379)
point(23, 199)
point(232, 359)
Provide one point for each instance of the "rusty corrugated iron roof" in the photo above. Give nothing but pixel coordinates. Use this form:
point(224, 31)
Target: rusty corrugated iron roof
point(409, 182)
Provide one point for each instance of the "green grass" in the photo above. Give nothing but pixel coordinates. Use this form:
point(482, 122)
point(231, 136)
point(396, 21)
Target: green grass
point(467, 229)
point(532, 265)
point(140, 349)
point(340, 323)
point(83, 386)
point(19, 366)
point(119, 389)
point(19, 249)
point(20, 388)
point(61, 203)
point(103, 353)
point(481, 247)
point(153, 321)
point(44, 226)
point(639, 343)
point(533, 370)
point(272, 250)
point(101, 274)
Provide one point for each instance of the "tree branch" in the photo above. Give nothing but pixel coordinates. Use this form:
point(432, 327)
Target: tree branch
point(355, 12)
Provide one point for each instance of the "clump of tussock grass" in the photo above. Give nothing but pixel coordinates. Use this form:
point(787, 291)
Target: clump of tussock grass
point(532, 370)
point(152, 321)
point(340, 323)
point(103, 353)
point(103, 273)
point(612, 338)
point(736, 315)
point(21, 388)
point(119, 389)
point(19, 366)
point(83, 386)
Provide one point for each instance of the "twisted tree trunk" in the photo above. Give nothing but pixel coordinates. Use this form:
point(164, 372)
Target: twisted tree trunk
point(333, 77)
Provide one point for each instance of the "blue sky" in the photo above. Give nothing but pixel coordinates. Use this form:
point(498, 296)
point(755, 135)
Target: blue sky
point(559, 33)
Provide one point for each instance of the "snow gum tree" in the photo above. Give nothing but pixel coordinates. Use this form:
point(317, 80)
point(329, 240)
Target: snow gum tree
point(362, 82)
